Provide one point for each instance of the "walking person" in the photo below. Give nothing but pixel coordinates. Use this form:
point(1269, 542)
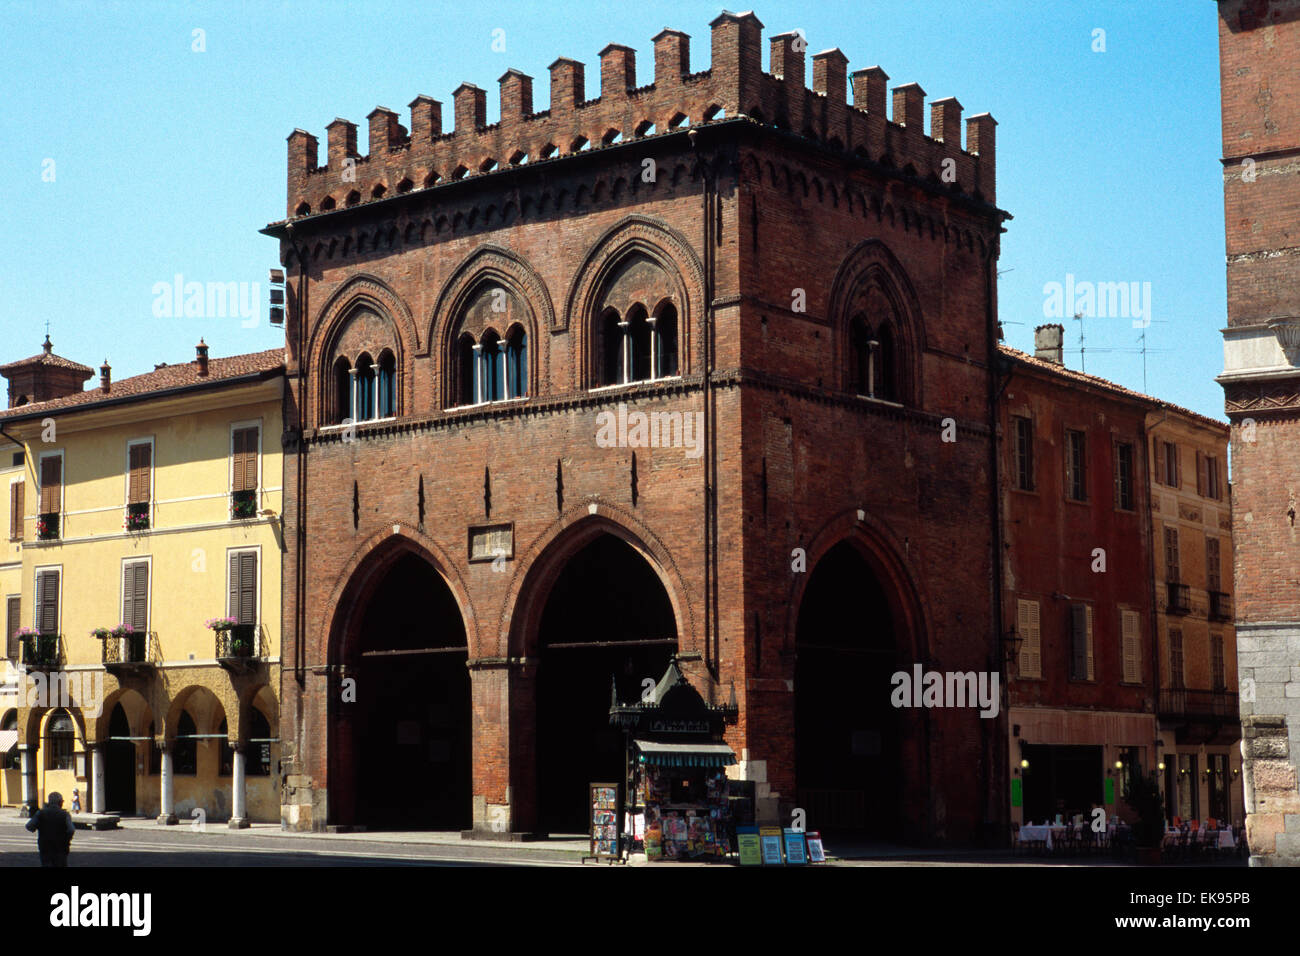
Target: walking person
point(53, 828)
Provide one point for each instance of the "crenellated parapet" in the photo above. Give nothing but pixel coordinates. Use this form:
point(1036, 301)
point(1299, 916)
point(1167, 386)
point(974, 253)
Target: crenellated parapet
point(399, 160)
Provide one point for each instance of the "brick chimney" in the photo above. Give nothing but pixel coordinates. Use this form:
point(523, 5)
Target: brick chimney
point(1049, 343)
point(201, 356)
point(105, 376)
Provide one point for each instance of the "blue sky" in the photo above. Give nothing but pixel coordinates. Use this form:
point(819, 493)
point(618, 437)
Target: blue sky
point(168, 160)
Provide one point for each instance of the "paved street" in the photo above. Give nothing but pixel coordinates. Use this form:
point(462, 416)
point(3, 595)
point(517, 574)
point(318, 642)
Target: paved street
point(142, 843)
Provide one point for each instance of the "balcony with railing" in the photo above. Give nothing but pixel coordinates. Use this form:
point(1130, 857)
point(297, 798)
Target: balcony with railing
point(1179, 702)
point(41, 652)
point(238, 648)
point(137, 516)
point(129, 653)
point(243, 504)
point(47, 526)
point(1180, 598)
point(1220, 606)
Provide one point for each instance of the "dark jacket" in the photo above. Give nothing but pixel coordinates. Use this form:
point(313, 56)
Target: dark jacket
point(53, 829)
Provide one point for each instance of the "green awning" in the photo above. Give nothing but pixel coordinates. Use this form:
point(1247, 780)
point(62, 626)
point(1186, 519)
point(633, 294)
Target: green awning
point(685, 755)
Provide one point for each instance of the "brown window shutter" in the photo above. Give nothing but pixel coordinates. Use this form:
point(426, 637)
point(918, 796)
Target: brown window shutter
point(1177, 459)
point(141, 463)
point(1115, 474)
point(237, 461)
point(16, 510)
point(13, 621)
point(232, 607)
point(245, 455)
point(140, 618)
point(1161, 476)
point(128, 593)
point(247, 588)
point(51, 483)
point(47, 618)
point(1201, 483)
point(1078, 642)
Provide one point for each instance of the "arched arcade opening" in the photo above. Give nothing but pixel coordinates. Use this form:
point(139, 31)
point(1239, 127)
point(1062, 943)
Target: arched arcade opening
point(849, 746)
point(401, 747)
point(607, 626)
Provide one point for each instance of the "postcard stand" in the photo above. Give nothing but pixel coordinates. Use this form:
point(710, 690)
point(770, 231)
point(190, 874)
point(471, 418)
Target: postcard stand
point(602, 802)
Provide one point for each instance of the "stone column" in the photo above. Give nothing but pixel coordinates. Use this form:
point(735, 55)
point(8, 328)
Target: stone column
point(873, 356)
point(625, 350)
point(480, 374)
point(238, 813)
point(1271, 787)
point(653, 322)
point(352, 393)
point(97, 798)
point(168, 815)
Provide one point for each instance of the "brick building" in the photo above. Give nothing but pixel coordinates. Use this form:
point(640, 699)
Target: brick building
point(1259, 46)
point(1114, 506)
point(1077, 583)
point(699, 367)
point(1196, 655)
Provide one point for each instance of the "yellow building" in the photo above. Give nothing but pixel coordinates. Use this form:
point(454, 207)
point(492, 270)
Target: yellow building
point(143, 587)
point(1196, 707)
point(11, 578)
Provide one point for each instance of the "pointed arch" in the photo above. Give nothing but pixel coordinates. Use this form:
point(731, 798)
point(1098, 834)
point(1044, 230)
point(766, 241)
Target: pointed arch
point(871, 274)
point(632, 236)
point(541, 559)
point(489, 265)
point(361, 293)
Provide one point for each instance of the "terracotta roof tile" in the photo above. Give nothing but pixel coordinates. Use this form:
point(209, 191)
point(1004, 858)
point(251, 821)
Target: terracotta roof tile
point(160, 379)
point(1105, 384)
point(47, 358)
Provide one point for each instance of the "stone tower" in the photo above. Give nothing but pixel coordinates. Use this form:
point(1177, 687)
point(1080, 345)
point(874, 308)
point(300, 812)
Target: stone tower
point(1259, 49)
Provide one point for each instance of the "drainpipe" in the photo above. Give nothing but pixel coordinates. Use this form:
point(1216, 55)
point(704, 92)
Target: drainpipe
point(300, 483)
point(709, 197)
point(997, 761)
point(1149, 532)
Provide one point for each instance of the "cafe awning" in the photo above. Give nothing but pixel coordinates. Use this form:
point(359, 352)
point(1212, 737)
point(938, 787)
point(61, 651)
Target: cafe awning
point(7, 739)
point(685, 755)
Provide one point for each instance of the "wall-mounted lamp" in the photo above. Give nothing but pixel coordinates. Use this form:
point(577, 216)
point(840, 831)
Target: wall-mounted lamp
point(1161, 765)
point(1011, 642)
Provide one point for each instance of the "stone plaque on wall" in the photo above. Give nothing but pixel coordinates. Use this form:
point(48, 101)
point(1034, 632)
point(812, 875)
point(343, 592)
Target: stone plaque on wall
point(489, 542)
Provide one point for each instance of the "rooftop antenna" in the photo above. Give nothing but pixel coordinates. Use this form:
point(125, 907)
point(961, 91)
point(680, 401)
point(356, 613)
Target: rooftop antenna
point(1143, 339)
point(1083, 364)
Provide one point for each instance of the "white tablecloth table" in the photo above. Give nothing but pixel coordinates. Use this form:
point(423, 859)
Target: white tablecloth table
point(1224, 838)
point(1047, 833)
